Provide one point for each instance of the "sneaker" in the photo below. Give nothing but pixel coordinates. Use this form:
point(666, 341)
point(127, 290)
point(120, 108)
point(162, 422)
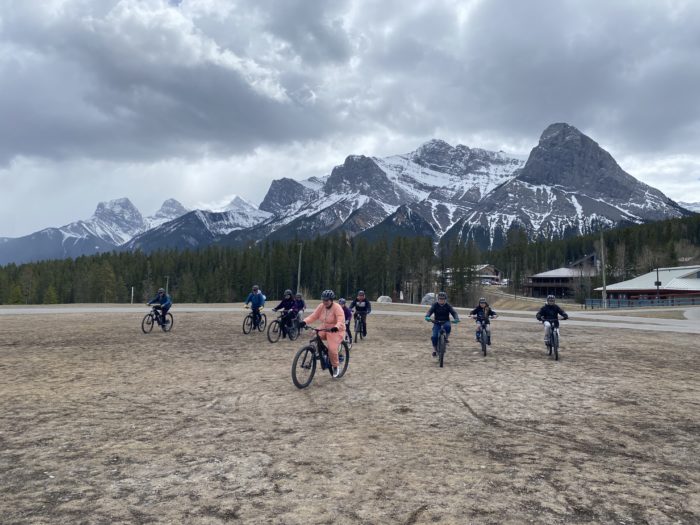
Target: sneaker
point(336, 371)
point(546, 342)
point(434, 353)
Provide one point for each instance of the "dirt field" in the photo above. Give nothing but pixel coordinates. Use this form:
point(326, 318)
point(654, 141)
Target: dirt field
point(100, 423)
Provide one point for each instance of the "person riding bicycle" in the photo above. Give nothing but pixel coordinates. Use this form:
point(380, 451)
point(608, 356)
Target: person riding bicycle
point(164, 303)
point(348, 317)
point(289, 309)
point(257, 300)
point(300, 304)
point(549, 315)
point(483, 313)
point(332, 318)
point(362, 308)
point(442, 310)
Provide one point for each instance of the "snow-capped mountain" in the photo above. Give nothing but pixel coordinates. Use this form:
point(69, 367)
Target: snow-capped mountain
point(199, 228)
point(569, 186)
point(692, 206)
point(113, 223)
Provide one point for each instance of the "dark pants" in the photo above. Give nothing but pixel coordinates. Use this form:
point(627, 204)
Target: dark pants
point(363, 316)
point(436, 332)
point(256, 316)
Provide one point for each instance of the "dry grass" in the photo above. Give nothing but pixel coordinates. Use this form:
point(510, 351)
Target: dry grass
point(100, 423)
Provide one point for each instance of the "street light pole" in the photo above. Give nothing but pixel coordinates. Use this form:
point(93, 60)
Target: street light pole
point(658, 282)
point(301, 247)
point(167, 282)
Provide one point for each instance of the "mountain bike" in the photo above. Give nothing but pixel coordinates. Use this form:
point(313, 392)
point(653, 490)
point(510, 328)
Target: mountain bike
point(360, 326)
point(483, 336)
point(553, 338)
point(442, 341)
point(304, 364)
point(250, 321)
point(283, 325)
point(156, 317)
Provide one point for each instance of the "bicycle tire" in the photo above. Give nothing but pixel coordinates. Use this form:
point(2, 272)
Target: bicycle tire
point(263, 323)
point(441, 347)
point(358, 329)
point(304, 360)
point(147, 324)
point(343, 358)
point(169, 326)
point(555, 344)
point(293, 332)
point(274, 331)
point(484, 340)
point(248, 323)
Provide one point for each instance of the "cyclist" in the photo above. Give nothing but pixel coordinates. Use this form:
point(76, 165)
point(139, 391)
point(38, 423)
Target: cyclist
point(362, 309)
point(301, 305)
point(332, 317)
point(549, 315)
point(348, 316)
point(442, 310)
point(483, 312)
point(289, 308)
point(164, 303)
point(257, 300)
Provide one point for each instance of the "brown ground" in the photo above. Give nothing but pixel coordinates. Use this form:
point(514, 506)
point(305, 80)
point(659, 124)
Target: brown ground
point(100, 423)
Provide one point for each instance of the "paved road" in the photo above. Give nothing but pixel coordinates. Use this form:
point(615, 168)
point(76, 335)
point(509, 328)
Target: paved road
point(578, 318)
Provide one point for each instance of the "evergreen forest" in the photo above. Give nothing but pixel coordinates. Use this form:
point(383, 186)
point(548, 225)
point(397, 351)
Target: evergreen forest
point(411, 266)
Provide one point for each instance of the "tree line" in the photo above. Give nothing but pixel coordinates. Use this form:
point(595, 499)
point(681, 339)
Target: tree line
point(412, 266)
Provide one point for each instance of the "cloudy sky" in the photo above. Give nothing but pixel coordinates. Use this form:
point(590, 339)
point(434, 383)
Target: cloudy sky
point(203, 99)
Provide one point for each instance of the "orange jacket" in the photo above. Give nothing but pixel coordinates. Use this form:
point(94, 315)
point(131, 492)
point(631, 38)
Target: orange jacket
point(330, 317)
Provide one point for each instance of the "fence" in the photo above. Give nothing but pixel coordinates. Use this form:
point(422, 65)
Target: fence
point(638, 303)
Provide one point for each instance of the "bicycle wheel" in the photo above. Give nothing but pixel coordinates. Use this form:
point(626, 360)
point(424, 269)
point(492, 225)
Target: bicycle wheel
point(555, 344)
point(293, 332)
point(147, 323)
point(484, 340)
point(169, 325)
point(343, 359)
point(248, 323)
point(274, 331)
point(358, 329)
point(441, 347)
point(304, 367)
point(263, 323)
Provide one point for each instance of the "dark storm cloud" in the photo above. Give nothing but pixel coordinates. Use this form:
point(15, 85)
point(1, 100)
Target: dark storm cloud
point(273, 86)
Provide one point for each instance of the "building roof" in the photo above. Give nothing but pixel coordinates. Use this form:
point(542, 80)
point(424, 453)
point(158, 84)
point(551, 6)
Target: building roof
point(686, 278)
point(563, 273)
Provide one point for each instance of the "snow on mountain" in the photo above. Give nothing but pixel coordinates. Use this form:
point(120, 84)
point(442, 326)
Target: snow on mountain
point(171, 209)
point(692, 206)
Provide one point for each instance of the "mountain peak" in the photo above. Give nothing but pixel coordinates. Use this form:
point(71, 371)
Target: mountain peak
point(119, 210)
point(171, 209)
point(240, 204)
point(560, 131)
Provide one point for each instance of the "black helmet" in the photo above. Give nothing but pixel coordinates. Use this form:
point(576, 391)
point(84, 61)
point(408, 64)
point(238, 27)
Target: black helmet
point(298, 295)
point(361, 292)
point(551, 299)
point(287, 293)
point(482, 300)
point(442, 295)
point(328, 294)
point(161, 290)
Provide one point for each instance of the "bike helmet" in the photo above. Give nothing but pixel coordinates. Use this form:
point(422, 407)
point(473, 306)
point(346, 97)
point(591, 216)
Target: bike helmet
point(482, 300)
point(328, 294)
point(256, 288)
point(287, 293)
point(551, 299)
point(442, 295)
point(341, 301)
point(298, 296)
point(361, 292)
point(161, 290)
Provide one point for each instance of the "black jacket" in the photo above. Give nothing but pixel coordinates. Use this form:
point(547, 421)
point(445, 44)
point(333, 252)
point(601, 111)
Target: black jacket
point(361, 306)
point(551, 312)
point(442, 312)
point(481, 314)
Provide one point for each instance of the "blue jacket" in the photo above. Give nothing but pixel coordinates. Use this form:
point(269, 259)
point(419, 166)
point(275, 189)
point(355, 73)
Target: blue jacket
point(287, 304)
point(256, 300)
point(164, 301)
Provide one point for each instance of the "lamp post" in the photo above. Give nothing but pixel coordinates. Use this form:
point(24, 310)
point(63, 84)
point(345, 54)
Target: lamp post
point(657, 283)
point(301, 247)
point(167, 282)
